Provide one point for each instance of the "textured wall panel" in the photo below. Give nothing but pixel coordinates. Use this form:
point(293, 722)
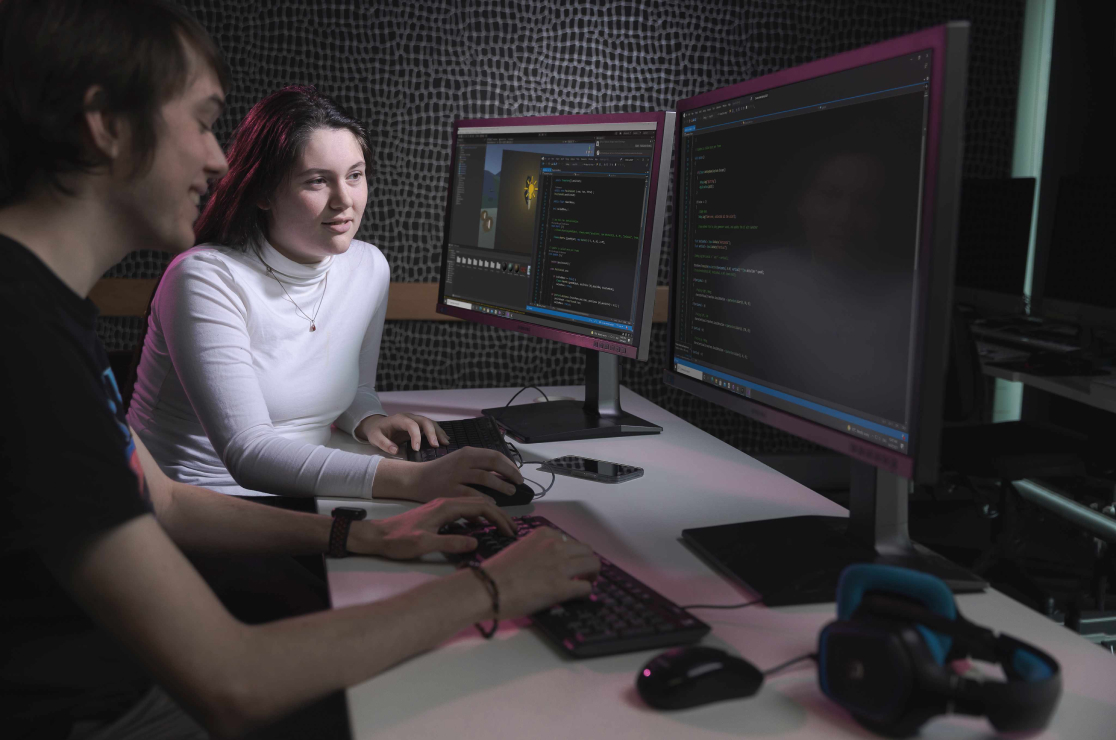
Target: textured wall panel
point(407, 69)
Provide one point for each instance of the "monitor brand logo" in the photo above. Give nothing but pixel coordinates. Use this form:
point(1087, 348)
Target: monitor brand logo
point(608, 347)
point(874, 456)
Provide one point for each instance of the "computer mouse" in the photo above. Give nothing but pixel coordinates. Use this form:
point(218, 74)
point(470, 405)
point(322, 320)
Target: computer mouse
point(691, 676)
point(523, 495)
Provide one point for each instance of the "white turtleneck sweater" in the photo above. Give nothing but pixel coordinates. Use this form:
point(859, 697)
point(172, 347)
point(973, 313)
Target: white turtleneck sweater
point(235, 393)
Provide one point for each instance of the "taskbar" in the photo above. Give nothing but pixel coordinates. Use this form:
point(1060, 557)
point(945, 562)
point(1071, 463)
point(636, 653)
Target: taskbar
point(866, 429)
point(531, 317)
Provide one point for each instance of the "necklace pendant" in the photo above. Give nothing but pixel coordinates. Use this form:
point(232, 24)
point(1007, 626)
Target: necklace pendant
point(313, 327)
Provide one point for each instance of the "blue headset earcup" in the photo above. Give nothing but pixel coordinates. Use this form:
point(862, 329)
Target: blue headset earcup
point(930, 591)
point(872, 670)
point(1029, 700)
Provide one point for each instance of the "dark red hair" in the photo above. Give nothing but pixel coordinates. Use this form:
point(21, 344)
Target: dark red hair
point(264, 148)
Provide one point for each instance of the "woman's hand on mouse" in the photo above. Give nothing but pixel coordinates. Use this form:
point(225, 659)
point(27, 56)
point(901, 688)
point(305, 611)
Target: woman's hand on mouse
point(388, 432)
point(542, 569)
point(447, 477)
point(415, 533)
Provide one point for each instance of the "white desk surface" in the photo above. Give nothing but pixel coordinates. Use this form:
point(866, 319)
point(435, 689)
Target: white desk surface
point(517, 686)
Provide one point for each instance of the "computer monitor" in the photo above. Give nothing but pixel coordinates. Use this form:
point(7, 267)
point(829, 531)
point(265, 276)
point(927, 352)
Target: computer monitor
point(554, 228)
point(993, 238)
point(1075, 282)
point(815, 213)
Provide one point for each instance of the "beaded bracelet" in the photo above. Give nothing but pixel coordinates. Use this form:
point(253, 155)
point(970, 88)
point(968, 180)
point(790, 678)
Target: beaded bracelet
point(494, 593)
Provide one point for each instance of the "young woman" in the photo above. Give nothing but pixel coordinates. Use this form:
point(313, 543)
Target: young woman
point(268, 333)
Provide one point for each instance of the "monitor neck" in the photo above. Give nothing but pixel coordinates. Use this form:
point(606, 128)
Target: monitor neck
point(602, 383)
point(878, 509)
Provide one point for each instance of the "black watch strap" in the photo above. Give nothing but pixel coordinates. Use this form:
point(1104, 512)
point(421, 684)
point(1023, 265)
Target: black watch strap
point(343, 518)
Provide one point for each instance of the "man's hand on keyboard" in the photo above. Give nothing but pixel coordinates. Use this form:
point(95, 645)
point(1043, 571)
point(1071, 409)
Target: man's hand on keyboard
point(542, 569)
point(415, 533)
point(388, 432)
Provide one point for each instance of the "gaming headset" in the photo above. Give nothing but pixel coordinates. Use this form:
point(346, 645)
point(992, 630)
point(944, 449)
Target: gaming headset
point(886, 659)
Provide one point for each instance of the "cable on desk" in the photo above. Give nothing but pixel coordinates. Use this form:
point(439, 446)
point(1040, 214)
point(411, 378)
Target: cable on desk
point(517, 456)
point(722, 606)
point(789, 663)
point(540, 390)
point(542, 493)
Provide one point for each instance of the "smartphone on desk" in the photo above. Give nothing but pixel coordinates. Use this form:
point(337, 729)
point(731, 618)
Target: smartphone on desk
point(587, 468)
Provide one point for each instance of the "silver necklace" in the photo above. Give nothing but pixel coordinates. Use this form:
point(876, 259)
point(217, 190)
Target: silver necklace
point(311, 319)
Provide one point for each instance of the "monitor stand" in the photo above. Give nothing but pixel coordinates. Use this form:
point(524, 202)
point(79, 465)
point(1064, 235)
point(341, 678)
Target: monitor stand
point(599, 416)
point(798, 560)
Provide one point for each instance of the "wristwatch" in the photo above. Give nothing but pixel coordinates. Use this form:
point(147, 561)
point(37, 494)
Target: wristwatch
point(343, 518)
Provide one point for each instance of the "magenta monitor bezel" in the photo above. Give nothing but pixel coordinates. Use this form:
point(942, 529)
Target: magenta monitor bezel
point(936, 259)
point(648, 273)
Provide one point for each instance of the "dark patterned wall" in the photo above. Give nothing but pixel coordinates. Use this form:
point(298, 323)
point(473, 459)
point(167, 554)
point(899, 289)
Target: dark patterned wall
point(409, 68)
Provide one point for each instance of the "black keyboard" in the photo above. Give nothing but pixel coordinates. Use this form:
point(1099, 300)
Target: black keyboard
point(621, 614)
point(480, 431)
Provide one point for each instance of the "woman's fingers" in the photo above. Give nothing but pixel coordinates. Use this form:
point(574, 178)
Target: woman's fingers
point(442, 436)
point(380, 440)
point(500, 484)
point(411, 427)
point(487, 478)
point(494, 461)
point(428, 428)
point(449, 476)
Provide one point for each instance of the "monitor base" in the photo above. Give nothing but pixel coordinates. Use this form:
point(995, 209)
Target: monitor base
point(556, 421)
point(798, 560)
point(598, 416)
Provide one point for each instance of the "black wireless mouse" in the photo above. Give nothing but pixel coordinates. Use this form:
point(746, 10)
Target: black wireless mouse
point(523, 495)
point(691, 676)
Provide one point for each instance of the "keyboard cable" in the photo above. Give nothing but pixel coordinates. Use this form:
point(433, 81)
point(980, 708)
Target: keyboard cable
point(722, 606)
point(517, 458)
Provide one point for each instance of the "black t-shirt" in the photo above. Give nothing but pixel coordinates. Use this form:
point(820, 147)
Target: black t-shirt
point(68, 472)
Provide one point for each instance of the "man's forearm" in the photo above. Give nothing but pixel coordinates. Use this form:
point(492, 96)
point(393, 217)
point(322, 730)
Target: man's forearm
point(204, 521)
point(233, 676)
point(294, 661)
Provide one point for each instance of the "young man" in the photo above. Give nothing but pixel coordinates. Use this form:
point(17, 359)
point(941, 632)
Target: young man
point(106, 109)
